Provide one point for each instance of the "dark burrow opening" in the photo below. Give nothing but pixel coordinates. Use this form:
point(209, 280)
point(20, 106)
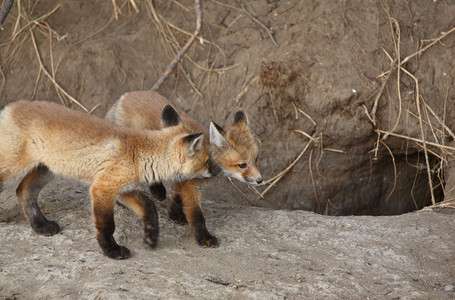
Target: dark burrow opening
point(395, 186)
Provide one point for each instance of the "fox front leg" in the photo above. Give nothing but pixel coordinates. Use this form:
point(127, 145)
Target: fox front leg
point(103, 213)
point(190, 197)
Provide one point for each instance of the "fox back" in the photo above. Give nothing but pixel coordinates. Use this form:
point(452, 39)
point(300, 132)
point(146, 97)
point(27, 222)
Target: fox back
point(234, 150)
point(80, 146)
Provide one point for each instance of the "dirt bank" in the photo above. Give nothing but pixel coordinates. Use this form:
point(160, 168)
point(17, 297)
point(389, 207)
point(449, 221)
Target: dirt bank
point(326, 81)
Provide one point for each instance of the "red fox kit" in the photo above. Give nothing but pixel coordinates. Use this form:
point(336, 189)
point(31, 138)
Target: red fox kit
point(233, 150)
point(41, 138)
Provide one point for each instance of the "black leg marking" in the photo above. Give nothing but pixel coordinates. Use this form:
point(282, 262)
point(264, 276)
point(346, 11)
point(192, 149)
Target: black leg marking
point(144, 207)
point(150, 221)
point(106, 228)
point(203, 237)
point(158, 191)
point(27, 192)
point(175, 210)
point(111, 249)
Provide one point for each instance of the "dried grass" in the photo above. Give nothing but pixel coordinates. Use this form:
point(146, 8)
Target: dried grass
point(396, 64)
point(274, 180)
point(51, 77)
point(175, 52)
point(27, 29)
point(39, 25)
point(118, 9)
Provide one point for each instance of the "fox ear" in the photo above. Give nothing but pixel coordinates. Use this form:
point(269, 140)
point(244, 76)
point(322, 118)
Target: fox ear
point(219, 128)
point(216, 137)
point(169, 117)
point(241, 120)
point(194, 142)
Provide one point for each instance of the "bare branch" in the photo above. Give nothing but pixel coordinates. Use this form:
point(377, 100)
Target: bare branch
point(197, 5)
point(5, 10)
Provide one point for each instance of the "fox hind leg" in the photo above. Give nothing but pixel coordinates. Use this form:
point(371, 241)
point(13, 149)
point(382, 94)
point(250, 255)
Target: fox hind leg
point(175, 209)
point(144, 207)
point(27, 192)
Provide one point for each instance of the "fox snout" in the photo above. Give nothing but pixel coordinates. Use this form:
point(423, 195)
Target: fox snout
point(253, 181)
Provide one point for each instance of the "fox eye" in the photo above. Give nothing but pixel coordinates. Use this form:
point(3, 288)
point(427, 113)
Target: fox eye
point(242, 165)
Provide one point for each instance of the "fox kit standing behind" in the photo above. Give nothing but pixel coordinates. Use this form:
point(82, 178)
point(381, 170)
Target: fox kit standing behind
point(233, 150)
point(41, 138)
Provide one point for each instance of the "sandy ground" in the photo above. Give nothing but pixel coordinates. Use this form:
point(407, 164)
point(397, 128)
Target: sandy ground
point(263, 254)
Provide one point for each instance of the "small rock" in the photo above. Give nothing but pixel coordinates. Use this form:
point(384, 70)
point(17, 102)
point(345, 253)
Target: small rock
point(449, 288)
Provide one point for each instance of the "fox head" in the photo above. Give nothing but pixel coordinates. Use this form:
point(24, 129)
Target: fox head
point(235, 150)
point(189, 150)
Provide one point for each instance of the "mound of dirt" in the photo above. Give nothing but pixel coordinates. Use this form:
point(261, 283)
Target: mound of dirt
point(264, 254)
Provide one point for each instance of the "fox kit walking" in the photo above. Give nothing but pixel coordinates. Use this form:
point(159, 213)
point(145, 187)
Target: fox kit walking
point(233, 150)
point(41, 138)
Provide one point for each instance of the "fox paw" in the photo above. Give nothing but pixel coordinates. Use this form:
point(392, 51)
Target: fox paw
point(151, 240)
point(120, 252)
point(208, 241)
point(47, 229)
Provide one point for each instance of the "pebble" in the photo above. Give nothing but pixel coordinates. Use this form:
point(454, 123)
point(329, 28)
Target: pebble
point(449, 288)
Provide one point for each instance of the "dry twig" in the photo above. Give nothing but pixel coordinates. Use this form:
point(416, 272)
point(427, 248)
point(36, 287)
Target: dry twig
point(303, 113)
point(259, 23)
point(372, 115)
point(118, 10)
point(43, 69)
point(197, 4)
point(395, 63)
point(175, 283)
point(16, 31)
point(415, 140)
point(417, 98)
point(394, 171)
point(4, 12)
point(245, 86)
point(276, 178)
point(449, 131)
point(315, 191)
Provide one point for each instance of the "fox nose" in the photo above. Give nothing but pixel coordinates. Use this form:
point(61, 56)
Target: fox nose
point(259, 180)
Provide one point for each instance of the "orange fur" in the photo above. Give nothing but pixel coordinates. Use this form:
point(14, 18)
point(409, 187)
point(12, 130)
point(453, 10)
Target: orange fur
point(41, 138)
point(233, 150)
point(141, 110)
